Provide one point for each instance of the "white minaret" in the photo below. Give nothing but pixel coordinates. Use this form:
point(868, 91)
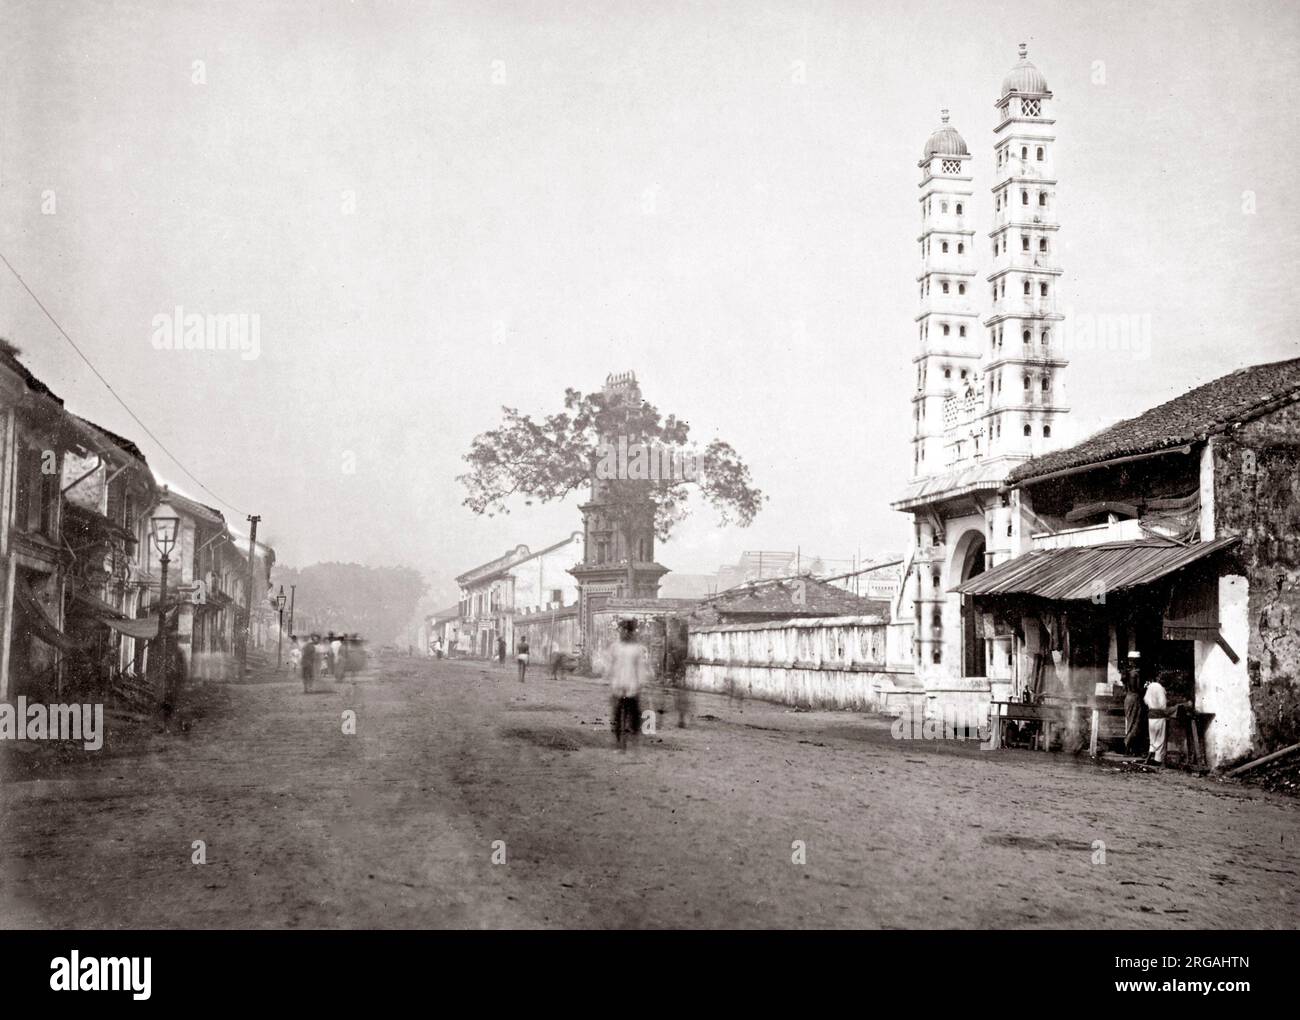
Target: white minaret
point(1024, 372)
point(948, 343)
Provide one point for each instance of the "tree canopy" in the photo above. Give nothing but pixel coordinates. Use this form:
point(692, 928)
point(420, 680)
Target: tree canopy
point(546, 459)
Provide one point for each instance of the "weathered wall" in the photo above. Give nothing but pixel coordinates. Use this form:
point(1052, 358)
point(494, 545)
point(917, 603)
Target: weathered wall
point(548, 632)
point(1221, 684)
point(1257, 496)
point(828, 662)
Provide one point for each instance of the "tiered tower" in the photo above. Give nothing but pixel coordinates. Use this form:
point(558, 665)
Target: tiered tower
point(948, 351)
point(618, 526)
point(985, 400)
point(1023, 377)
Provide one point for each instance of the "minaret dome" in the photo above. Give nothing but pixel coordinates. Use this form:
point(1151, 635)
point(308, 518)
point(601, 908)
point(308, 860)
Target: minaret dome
point(1024, 78)
point(946, 141)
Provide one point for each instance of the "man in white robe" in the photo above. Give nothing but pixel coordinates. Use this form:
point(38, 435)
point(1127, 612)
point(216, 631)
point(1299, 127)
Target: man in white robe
point(1156, 702)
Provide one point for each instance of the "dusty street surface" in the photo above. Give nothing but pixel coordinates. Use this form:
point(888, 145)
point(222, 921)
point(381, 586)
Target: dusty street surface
point(305, 826)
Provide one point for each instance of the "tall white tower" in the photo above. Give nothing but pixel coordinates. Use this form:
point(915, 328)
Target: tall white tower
point(1024, 372)
point(948, 343)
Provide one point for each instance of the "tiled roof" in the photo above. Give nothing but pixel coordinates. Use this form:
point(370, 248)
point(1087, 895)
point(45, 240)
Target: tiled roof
point(511, 559)
point(121, 442)
point(9, 358)
point(1185, 419)
point(196, 509)
point(666, 605)
point(793, 596)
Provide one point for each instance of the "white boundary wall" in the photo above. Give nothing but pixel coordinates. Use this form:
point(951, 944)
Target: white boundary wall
point(821, 662)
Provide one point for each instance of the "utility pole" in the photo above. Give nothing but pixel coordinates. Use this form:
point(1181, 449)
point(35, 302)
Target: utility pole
point(293, 590)
point(169, 694)
point(248, 595)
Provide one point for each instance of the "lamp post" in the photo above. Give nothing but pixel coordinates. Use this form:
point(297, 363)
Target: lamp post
point(279, 638)
point(164, 525)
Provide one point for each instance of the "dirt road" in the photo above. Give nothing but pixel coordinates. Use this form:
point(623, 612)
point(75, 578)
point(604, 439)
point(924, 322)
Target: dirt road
point(453, 764)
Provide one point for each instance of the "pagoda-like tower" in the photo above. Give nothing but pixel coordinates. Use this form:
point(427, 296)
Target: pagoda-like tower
point(948, 351)
point(618, 559)
point(1025, 369)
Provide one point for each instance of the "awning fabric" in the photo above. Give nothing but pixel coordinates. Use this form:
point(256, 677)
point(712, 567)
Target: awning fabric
point(93, 603)
point(1080, 573)
point(145, 627)
point(38, 620)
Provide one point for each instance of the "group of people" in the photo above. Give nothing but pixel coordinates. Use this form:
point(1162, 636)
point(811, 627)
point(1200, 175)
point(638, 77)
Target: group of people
point(629, 671)
point(317, 656)
point(1150, 700)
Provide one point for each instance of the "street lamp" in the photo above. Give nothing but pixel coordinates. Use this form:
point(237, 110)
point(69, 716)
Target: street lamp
point(279, 640)
point(164, 526)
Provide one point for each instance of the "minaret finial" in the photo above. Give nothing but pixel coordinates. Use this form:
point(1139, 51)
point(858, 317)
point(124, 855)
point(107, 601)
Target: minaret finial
point(943, 115)
point(1024, 51)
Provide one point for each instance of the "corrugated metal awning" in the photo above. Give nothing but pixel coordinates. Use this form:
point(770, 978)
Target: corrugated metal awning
point(1080, 573)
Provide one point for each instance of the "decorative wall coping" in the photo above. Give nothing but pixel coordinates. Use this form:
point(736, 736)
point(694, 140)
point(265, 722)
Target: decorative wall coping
point(812, 622)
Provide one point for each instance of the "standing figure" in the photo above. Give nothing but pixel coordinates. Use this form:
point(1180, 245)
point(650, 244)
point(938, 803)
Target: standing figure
point(675, 671)
point(328, 653)
point(295, 654)
point(323, 663)
point(1132, 675)
point(629, 667)
point(501, 650)
point(1156, 703)
point(339, 654)
point(309, 664)
point(522, 657)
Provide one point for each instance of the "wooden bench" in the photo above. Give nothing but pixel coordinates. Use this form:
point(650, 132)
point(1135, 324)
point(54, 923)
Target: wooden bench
point(1020, 711)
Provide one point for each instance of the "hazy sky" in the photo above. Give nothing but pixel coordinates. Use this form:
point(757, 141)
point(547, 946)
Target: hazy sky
point(438, 209)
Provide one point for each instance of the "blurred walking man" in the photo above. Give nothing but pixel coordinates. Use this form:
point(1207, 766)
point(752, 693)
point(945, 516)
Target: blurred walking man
point(629, 667)
point(338, 653)
point(523, 658)
point(309, 664)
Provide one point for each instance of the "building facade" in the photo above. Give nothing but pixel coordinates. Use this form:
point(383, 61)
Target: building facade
point(985, 400)
point(517, 584)
point(79, 577)
point(1171, 535)
point(32, 562)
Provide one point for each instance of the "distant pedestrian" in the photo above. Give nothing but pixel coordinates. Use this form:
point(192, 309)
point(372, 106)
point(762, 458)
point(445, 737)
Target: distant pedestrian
point(675, 675)
point(1156, 702)
point(561, 662)
point(522, 658)
point(327, 653)
point(501, 650)
point(309, 665)
point(324, 661)
point(629, 668)
point(295, 654)
point(735, 693)
point(339, 654)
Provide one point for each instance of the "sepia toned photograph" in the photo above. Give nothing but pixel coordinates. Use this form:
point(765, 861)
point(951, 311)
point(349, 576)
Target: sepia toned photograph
point(776, 465)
